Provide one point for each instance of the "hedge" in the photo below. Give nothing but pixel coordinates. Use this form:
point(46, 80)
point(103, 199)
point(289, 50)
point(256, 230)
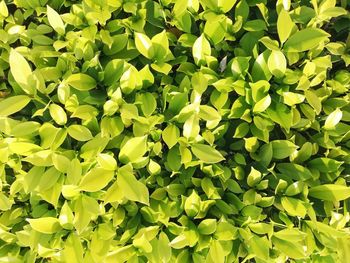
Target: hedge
point(174, 131)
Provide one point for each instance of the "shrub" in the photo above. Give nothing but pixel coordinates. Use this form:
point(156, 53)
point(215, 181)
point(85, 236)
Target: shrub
point(174, 131)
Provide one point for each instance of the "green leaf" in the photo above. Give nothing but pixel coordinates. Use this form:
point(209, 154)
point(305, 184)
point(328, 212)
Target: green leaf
point(21, 71)
point(330, 192)
point(144, 45)
point(240, 66)
point(73, 249)
point(277, 63)
point(113, 71)
point(171, 135)
point(291, 249)
point(179, 242)
point(280, 114)
point(333, 119)
point(201, 49)
point(285, 25)
point(292, 98)
point(3, 9)
point(254, 177)
point(13, 104)
point(260, 70)
point(192, 204)
point(262, 104)
point(282, 149)
point(132, 189)
point(216, 252)
point(293, 206)
point(191, 127)
point(226, 6)
point(133, 149)
point(58, 114)
point(294, 171)
point(164, 249)
point(46, 225)
point(313, 100)
point(55, 21)
point(148, 103)
point(216, 28)
point(259, 246)
point(107, 161)
point(305, 39)
point(160, 45)
point(81, 81)
point(255, 25)
point(325, 165)
point(96, 179)
point(79, 132)
point(206, 153)
point(207, 226)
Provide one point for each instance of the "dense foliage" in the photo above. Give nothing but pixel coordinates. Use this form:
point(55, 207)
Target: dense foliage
point(174, 131)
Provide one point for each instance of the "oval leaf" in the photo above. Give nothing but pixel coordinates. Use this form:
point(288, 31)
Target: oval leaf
point(206, 153)
point(96, 179)
point(46, 225)
point(13, 104)
point(81, 81)
point(55, 20)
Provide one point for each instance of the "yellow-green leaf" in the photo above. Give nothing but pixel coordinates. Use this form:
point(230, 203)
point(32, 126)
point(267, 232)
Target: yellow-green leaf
point(305, 39)
point(96, 179)
point(333, 119)
point(330, 192)
point(21, 71)
point(293, 206)
point(171, 135)
point(144, 45)
point(262, 104)
point(277, 63)
point(13, 104)
point(55, 21)
point(58, 114)
point(284, 25)
point(201, 49)
point(132, 188)
point(46, 225)
point(133, 149)
point(206, 153)
point(81, 81)
point(79, 132)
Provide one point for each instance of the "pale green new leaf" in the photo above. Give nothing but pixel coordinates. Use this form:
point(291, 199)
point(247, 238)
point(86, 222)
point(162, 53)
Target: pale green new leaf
point(132, 188)
point(330, 192)
point(277, 63)
point(133, 149)
point(282, 148)
point(262, 104)
point(21, 71)
point(58, 114)
point(201, 49)
point(285, 25)
point(292, 98)
point(333, 119)
point(79, 132)
point(81, 81)
point(305, 39)
point(171, 135)
point(96, 179)
point(293, 206)
point(46, 225)
point(55, 21)
point(206, 153)
point(144, 45)
point(13, 104)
